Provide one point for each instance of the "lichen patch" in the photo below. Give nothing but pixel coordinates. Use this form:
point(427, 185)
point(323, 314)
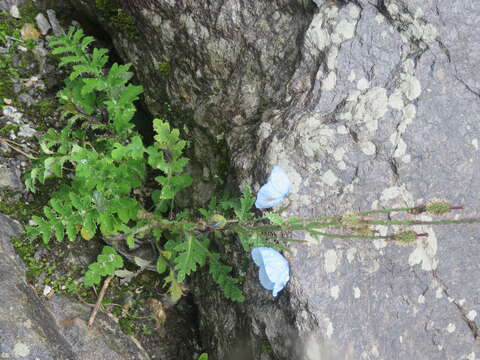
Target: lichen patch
point(21, 350)
point(356, 292)
point(329, 178)
point(328, 84)
point(471, 315)
point(426, 250)
point(410, 86)
point(335, 291)
point(331, 261)
point(451, 328)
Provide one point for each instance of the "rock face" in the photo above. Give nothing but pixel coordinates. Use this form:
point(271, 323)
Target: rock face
point(31, 328)
point(367, 105)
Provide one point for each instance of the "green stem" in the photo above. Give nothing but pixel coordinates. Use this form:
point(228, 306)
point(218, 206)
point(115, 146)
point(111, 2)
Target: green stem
point(420, 222)
point(382, 211)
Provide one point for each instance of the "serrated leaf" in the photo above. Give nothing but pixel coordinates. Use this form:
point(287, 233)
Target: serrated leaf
point(190, 254)
point(127, 209)
point(91, 278)
point(221, 275)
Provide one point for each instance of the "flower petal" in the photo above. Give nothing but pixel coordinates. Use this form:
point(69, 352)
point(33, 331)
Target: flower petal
point(274, 269)
point(257, 256)
point(266, 283)
point(275, 190)
point(268, 197)
point(279, 180)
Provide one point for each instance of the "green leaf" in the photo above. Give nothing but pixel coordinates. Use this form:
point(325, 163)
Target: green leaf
point(130, 241)
point(130, 94)
point(191, 253)
point(221, 275)
point(59, 231)
point(92, 277)
point(174, 288)
point(275, 218)
point(71, 232)
point(127, 209)
point(161, 265)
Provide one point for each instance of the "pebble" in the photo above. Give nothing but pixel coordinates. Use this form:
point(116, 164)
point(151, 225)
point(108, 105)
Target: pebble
point(15, 12)
point(56, 27)
point(42, 23)
point(12, 114)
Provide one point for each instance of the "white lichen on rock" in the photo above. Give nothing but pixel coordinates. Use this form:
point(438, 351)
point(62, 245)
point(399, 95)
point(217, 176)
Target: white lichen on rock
point(329, 178)
point(451, 328)
point(356, 292)
point(410, 86)
point(335, 291)
point(21, 350)
point(370, 107)
point(363, 84)
point(395, 100)
point(351, 254)
point(331, 261)
point(328, 84)
point(368, 148)
point(344, 30)
point(425, 249)
point(471, 315)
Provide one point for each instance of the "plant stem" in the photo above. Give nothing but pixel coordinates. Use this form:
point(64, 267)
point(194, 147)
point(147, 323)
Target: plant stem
point(420, 222)
point(99, 300)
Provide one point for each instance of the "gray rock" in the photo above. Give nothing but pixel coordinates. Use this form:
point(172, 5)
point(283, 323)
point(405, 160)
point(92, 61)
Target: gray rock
point(10, 175)
point(27, 131)
point(56, 27)
point(26, 99)
point(15, 12)
point(42, 23)
point(366, 105)
point(12, 114)
point(6, 5)
point(33, 328)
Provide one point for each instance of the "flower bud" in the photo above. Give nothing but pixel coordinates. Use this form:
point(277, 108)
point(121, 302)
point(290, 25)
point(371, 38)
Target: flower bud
point(437, 207)
point(218, 221)
point(405, 236)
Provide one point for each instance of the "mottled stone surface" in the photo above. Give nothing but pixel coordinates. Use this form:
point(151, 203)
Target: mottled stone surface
point(10, 175)
point(6, 5)
point(32, 328)
point(367, 105)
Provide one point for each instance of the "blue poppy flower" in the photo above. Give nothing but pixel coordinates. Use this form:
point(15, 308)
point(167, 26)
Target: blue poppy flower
point(275, 190)
point(274, 270)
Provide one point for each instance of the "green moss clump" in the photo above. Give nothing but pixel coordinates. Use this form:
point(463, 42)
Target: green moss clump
point(5, 130)
point(164, 68)
point(28, 12)
point(118, 17)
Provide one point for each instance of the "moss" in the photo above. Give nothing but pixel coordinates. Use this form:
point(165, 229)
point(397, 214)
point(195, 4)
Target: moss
point(164, 68)
point(5, 131)
point(28, 11)
point(117, 16)
point(266, 348)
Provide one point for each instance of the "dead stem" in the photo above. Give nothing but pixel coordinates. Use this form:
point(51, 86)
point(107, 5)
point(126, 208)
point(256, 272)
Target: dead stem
point(99, 300)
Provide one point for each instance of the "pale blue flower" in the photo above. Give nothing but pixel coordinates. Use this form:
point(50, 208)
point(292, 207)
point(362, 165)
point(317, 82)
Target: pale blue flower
point(275, 190)
point(274, 270)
